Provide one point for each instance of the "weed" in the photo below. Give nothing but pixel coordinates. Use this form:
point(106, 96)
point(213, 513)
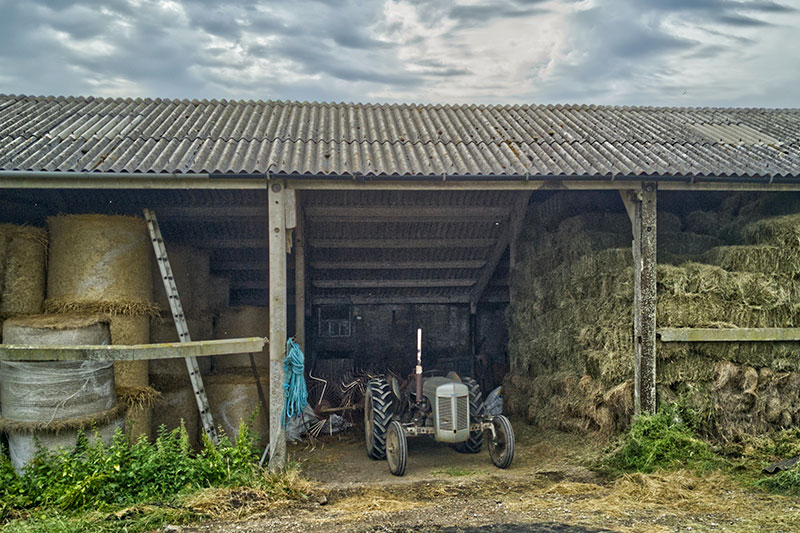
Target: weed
point(667, 439)
point(111, 487)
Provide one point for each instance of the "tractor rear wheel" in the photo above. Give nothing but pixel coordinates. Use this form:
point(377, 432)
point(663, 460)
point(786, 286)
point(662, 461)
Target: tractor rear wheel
point(501, 447)
point(396, 448)
point(377, 416)
point(475, 441)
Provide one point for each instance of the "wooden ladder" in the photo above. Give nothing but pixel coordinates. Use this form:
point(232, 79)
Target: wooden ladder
point(180, 323)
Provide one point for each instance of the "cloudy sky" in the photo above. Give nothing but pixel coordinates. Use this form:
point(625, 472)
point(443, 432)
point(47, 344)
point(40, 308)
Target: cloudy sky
point(645, 52)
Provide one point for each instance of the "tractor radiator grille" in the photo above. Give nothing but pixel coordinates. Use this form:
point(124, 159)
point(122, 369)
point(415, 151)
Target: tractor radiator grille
point(454, 421)
point(463, 412)
point(445, 413)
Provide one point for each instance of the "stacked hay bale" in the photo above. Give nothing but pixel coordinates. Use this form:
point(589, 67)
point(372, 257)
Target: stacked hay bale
point(192, 275)
point(101, 264)
point(571, 319)
point(23, 259)
point(232, 389)
point(47, 403)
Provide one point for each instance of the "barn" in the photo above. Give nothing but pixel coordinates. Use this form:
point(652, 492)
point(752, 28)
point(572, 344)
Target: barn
point(595, 260)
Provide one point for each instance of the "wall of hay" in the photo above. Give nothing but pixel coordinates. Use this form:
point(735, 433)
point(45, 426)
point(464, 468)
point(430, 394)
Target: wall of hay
point(724, 261)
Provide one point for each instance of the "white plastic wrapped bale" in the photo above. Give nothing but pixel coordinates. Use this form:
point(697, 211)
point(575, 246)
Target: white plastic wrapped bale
point(50, 402)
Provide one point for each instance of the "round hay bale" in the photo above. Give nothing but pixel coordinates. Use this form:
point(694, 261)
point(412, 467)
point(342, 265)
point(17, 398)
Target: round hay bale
point(233, 398)
point(238, 322)
point(220, 293)
point(129, 330)
point(23, 258)
point(178, 405)
point(191, 270)
point(704, 222)
point(99, 263)
point(57, 330)
point(168, 373)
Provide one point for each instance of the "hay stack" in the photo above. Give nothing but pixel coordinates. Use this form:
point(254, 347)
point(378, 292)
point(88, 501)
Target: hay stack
point(571, 318)
point(99, 263)
point(175, 406)
point(23, 257)
point(233, 398)
point(132, 376)
point(171, 371)
point(191, 268)
point(237, 322)
point(47, 403)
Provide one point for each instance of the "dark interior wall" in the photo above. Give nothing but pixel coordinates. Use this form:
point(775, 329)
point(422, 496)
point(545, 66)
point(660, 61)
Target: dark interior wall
point(384, 336)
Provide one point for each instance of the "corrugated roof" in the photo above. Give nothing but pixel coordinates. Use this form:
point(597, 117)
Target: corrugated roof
point(182, 136)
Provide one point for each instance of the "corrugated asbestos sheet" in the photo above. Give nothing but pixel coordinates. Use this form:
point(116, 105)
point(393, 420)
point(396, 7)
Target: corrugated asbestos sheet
point(171, 136)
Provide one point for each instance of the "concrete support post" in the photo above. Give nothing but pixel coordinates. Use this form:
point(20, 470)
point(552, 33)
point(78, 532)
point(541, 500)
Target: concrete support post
point(277, 323)
point(647, 273)
point(641, 207)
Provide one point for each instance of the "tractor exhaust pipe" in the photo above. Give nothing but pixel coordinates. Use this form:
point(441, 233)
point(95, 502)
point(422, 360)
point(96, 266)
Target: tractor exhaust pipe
point(419, 365)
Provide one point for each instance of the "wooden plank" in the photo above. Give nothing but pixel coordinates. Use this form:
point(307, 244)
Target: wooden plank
point(380, 300)
point(406, 213)
point(510, 233)
point(400, 243)
point(729, 335)
point(648, 300)
point(138, 352)
point(390, 283)
point(634, 207)
point(230, 243)
point(206, 212)
point(290, 197)
point(277, 324)
point(395, 265)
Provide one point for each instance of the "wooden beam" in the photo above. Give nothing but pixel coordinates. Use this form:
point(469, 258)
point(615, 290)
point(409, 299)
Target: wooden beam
point(382, 300)
point(239, 265)
point(508, 235)
point(206, 212)
point(400, 243)
point(230, 243)
point(729, 334)
point(406, 213)
point(646, 270)
point(395, 265)
point(138, 352)
point(277, 324)
point(390, 283)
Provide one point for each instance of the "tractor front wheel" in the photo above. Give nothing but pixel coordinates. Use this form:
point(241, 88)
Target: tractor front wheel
point(501, 446)
point(475, 441)
point(396, 449)
point(377, 416)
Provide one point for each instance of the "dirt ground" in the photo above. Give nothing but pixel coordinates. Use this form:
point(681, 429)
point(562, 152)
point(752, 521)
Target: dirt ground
point(548, 488)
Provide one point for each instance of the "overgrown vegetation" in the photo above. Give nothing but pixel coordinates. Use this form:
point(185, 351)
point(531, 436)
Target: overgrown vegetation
point(131, 486)
point(673, 439)
point(667, 439)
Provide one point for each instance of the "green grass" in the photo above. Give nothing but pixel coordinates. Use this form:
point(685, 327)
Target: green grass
point(127, 486)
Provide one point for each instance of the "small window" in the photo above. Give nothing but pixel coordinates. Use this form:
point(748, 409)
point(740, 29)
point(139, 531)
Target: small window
point(334, 321)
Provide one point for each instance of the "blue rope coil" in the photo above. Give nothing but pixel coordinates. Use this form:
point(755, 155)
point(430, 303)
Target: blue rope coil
point(295, 394)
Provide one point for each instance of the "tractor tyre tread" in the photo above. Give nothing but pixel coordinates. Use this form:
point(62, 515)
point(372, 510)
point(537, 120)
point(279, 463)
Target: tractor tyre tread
point(476, 408)
point(381, 416)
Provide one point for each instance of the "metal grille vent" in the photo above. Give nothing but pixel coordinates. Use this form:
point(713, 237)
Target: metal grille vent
point(445, 413)
point(462, 412)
